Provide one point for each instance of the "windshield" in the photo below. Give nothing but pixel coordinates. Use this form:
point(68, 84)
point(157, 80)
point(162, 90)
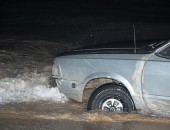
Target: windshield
point(151, 47)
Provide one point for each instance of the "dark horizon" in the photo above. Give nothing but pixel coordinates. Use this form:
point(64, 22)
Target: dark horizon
point(135, 10)
point(85, 21)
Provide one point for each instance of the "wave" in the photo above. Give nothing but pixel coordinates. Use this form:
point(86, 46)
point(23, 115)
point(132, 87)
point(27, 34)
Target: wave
point(28, 88)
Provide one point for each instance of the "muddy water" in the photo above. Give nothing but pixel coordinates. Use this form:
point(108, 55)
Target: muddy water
point(72, 125)
point(71, 115)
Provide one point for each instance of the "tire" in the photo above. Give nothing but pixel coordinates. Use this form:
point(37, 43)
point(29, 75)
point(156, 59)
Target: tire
point(111, 97)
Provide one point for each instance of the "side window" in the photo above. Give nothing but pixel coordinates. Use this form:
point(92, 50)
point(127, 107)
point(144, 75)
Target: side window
point(165, 52)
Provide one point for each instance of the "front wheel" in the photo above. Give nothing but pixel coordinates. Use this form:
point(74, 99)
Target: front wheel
point(112, 98)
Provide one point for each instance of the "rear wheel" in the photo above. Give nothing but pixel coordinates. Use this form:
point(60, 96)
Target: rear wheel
point(112, 98)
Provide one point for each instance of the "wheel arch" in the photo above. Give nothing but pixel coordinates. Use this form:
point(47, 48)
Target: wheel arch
point(95, 81)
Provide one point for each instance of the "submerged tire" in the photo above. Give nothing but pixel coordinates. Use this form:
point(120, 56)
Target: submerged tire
point(111, 97)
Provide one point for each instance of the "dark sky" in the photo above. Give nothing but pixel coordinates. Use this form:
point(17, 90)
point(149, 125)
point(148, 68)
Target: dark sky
point(131, 8)
point(79, 20)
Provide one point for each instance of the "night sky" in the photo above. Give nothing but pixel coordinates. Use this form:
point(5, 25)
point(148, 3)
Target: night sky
point(85, 21)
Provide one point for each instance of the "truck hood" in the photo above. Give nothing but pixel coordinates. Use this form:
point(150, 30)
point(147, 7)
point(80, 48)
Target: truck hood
point(105, 48)
point(117, 48)
point(100, 51)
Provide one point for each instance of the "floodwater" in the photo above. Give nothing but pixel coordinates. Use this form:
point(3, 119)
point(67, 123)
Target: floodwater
point(44, 115)
point(55, 125)
point(72, 125)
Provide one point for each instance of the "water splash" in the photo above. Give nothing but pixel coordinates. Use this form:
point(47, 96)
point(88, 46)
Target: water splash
point(29, 87)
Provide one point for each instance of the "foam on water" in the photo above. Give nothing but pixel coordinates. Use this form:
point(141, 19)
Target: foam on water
point(26, 88)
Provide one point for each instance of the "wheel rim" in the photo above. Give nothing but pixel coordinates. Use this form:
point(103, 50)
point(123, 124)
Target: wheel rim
point(112, 105)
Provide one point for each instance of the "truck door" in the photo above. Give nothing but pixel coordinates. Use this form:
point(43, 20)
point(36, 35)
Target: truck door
point(156, 82)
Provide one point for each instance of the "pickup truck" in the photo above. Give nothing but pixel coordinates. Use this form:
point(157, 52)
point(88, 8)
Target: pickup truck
point(117, 79)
